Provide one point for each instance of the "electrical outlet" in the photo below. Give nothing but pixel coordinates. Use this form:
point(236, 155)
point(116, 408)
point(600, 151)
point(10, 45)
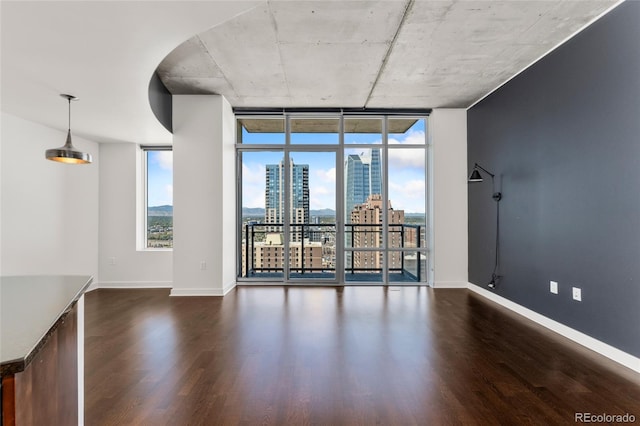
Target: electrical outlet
point(553, 287)
point(203, 265)
point(112, 261)
point(577, 294)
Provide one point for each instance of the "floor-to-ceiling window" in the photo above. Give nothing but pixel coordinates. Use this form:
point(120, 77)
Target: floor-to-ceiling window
point(332, 198)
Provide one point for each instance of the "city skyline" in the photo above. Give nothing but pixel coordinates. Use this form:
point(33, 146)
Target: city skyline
point(406, 170)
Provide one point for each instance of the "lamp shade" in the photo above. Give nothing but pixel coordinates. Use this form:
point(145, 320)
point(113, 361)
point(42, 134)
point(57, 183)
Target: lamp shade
point(475, 176)
point(68, 153)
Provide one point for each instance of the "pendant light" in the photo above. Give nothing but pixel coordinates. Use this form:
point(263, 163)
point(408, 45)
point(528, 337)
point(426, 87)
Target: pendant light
point(68, 153)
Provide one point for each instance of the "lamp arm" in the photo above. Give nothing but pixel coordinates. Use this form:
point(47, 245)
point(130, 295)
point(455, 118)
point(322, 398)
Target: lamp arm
point(478, 166)
point(497, 196)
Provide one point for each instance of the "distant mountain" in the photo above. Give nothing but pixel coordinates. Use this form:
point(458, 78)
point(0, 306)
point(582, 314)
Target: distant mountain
point(259, 211)
point(252, 211)
point(323, 212)
point(160, 211)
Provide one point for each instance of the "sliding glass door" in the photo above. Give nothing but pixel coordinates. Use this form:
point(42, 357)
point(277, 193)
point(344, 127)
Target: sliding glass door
point(312, 215)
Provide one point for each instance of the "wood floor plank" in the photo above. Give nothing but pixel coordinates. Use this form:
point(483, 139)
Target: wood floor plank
point(353, 355)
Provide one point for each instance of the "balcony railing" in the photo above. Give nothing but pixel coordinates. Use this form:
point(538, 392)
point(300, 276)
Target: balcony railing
point(312, 251)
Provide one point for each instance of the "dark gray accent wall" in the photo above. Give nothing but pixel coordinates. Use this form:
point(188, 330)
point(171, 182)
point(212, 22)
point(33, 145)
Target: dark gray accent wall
point(161, 102)
point(563, 139)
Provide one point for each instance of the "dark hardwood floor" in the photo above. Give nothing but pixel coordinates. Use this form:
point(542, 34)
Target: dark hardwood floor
point(327, 356)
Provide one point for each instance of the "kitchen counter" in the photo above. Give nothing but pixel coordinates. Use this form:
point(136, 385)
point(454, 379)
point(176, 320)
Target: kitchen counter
point(41, 348)
point(31, 307)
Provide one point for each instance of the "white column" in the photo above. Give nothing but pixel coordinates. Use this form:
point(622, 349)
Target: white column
point(204, 186)
point(449, 192)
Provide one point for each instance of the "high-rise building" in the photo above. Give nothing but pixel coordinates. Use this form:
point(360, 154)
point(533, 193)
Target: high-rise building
point(363, 177)
point(268, 256)
point(370, 213)
point(298, 201)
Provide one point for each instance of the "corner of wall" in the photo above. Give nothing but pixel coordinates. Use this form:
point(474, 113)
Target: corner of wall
point(449, 197)
point(204, 200)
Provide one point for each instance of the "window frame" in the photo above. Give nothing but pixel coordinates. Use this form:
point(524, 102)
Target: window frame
point(143, 197)
point(427, 249)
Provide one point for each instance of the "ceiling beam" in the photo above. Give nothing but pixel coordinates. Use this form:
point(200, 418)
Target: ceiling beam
point(383, 64)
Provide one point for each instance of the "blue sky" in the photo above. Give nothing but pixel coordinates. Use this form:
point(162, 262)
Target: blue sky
point(406, 169)
point(159, 178)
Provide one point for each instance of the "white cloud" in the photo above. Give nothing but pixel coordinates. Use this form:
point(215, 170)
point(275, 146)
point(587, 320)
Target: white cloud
point(253, 173)
point(415, 137)
point(406, 158)
point(327, 175)
point(165, 159)
point(257, 198)
point(322, 189)
point(407, 195)
point(253, 195)
point(321, 198)
point(253, 181)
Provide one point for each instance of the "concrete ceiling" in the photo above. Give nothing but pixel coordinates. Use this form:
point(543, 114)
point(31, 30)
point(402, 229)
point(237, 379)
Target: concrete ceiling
point(373, 54)
point(265, 54)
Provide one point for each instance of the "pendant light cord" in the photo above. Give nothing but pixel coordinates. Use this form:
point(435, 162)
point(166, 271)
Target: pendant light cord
point(69, 126)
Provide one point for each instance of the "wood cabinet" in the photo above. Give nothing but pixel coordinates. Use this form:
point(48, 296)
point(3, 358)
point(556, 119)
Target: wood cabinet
point(46, 392)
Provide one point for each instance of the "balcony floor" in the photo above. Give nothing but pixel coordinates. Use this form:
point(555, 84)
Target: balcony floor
point(375, 277)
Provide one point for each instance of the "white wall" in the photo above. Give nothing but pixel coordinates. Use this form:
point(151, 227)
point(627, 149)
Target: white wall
point(204, 195)
point(49, 211)
point(119, 167)
point(449, 192)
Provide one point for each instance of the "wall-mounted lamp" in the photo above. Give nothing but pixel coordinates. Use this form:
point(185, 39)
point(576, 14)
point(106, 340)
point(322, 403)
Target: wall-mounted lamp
point(68, 153)
point(475, 176)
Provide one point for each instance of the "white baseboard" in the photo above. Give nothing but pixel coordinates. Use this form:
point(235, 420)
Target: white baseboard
point(589, 342)
point(228, 287)
point(203, 291)
point(135, 284)
point(92, 286)
point(450, 284)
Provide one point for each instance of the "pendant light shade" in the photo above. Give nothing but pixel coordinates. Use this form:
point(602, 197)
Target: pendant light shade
point(68, 153)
